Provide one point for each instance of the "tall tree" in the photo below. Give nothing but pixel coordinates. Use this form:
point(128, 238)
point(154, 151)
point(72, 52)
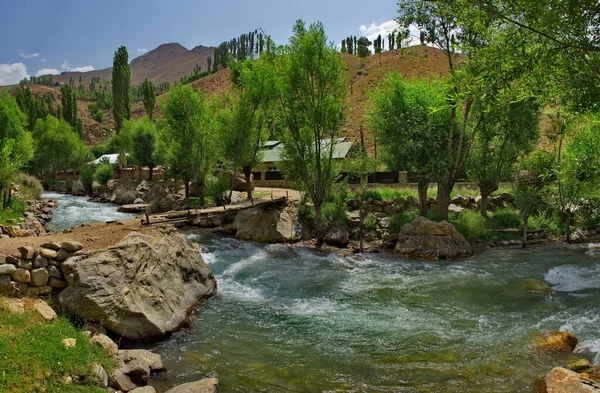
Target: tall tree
point(143, 149)
point(312, 94)
point(121, 80)
point(149, 97)
point(69, 108)
point(187, 144)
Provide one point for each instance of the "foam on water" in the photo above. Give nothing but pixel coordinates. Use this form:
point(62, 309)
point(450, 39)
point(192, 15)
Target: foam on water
point(571, 278)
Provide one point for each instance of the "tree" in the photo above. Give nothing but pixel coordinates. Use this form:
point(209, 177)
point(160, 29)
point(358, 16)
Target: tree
point(362, 50)
point(410, 121)
point(312, 95)
point(69, 108)
point(528, 199)
point(121, 80)
point(149, 97)
point(509, 132)
point(187, 143)
point(16, 147)
point(144, 144)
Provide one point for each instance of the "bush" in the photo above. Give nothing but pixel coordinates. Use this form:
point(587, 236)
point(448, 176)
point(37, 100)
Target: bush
point(104, 173)
point(398, 220)
point(86, 177)
point(472, 225)
point(98, 115)
point(216, 189)
point(69, 184)
point(370, 222)
point(29, 186)
point(589, 214)
point(306, 214)
point(506, 218)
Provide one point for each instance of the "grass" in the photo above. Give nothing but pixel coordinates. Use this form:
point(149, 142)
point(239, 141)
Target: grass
point(33, 358)
point(15, 210)
point(391, 193)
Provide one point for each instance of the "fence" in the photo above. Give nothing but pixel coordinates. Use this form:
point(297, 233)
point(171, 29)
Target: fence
point(270, 178)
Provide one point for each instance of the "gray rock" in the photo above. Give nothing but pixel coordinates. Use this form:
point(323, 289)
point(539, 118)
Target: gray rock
point(57, 283)
point(138, 201)
point(27, 252)
point(51, 246)
point(40, 261)
point(53, 271)
point(12, 259)
point(21, 275)
point(267, 225)
point(143, 389)
point(7, 268)
point(62, 255)
point(39, 277)
point(104, 342)
point(5, 279)
point(48, 253)
point(71, 246)
point(561, 380)
point(207, 385)
point(100, 375)
point(144, 287)
point(337, 236)
point(384, 223)
point(134, 368)
point(25, 264)
point(38, 291)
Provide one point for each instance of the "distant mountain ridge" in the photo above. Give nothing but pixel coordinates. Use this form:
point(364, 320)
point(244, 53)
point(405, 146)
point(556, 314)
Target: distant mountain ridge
point(166, 63)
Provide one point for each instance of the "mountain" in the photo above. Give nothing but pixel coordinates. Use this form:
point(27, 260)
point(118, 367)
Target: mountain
point(166, 63)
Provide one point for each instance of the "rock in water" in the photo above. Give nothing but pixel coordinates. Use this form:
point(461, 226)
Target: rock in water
point(266, 224)
point(561, 380)
point(555, 341)
point(142, 288)
point(423, 238)
point(207, 385)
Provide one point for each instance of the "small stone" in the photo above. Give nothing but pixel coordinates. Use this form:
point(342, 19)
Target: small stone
point(48, 253)
point(62, 255)
point(40, 261)
point(39, 277)
point(12, 259)
point(69, 342)
point(57, 283)
point(51, 245)
point(44, 310)
point(7, 269)
point(100, 375)
point(71, 246)
point(579, 365)
point(143, 389)
point(27, 252)
point(556, 341)
point(25, 264)
point(67, 379)
point(105, 343)
point(206, 385)
point(53, 271)
point(21, 275)
point(94, 327)
point(5, 279)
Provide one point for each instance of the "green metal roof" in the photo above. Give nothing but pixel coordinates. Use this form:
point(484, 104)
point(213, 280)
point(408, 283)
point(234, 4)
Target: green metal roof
point(273, 150)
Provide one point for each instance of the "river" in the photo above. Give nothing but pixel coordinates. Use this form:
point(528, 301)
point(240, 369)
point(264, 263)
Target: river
point(297, 320)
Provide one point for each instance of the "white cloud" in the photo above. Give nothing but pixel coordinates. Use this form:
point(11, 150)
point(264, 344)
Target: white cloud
point(142, 50)
point(65, 67)
point(47, 71)
point(26, 55)
point(11, 74)
point(43, 60)
point(385, 28)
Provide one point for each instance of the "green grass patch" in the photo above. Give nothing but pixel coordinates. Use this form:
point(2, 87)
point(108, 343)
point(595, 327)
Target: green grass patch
point(33, 358)
point(473, 226)
point(14, 210)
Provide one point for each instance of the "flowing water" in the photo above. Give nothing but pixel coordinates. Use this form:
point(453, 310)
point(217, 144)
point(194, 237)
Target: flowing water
point(73, 211)
point(296, 320)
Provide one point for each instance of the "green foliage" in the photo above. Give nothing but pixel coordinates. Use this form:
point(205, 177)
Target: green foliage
point(589, 213)
point(58, 148)
point(312, 94)
point(398, 220)
point(69, 184)
point(35, 359)
point(29, 186)
point(29, 105)
point(306, 214)
point(363, 47)
point(370, 222)
point(540, 164)
point(187, 144)
point(86, 177)
point(104, 173)
point(216, 189)
point(506, 218)
point(69, 108)
point(149, 97)
point(334, 210)
point(143, 143)
point(121, 80)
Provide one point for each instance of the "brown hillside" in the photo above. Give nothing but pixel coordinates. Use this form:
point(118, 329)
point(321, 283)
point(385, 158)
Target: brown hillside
point(167, 63)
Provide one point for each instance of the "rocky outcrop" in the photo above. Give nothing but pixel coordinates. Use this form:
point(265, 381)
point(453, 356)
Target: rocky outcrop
point(159, 199)
point(561, 380)
point(142, 288)
point(427, 239)
point(267, 224)
point(133, 369)
point(555, 341)
point(207, 385)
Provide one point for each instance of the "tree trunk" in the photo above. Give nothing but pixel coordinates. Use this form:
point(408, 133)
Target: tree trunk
point(443, 200)
point(524, 239)
point(568, 222)
point(319, 224)
point(232, 184)
point(247, 174)
point(187, 189)
point(201, 198)
point(486, 189)
point(423, 184)
point(150, 170)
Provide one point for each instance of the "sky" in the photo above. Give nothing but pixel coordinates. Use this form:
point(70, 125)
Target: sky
point(51, 36)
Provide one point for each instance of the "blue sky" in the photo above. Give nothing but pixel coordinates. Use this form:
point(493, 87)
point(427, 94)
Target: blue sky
point(41, 36)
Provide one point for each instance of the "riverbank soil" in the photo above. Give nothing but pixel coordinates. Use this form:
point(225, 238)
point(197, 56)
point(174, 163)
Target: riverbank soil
point(93, 236)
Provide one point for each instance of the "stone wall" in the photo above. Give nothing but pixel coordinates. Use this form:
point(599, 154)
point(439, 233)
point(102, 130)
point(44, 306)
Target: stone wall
point(32, 272)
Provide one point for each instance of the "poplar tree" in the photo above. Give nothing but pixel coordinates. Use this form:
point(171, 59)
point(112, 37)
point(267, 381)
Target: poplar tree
point(121, 79)
point(149, 97)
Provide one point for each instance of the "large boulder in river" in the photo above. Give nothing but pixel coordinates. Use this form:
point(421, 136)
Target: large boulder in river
point(337, 236)
point(423, 238)
point(555, 341)
point(267, 224)
point(160, 199)
point(142, 288)
point(561, 380)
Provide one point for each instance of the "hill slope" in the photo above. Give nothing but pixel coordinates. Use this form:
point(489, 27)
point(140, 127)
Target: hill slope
point(167, 63)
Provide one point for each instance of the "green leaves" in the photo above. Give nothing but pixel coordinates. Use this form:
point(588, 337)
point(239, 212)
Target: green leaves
point(121, 80)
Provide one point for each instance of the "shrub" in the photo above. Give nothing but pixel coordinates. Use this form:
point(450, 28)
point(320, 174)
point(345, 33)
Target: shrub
point(588, 213)
point(306, 215)
point(472, 225)
point(370, 222)
point(104, 173)
point(506, 218)
point(86, 177)
point(98, 115)
point(216, 189)
point(29, 186)
point(398, 220)
point(69, 184)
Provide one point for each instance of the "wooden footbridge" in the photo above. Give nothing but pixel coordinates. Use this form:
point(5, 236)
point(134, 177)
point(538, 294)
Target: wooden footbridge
point(188, 217)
